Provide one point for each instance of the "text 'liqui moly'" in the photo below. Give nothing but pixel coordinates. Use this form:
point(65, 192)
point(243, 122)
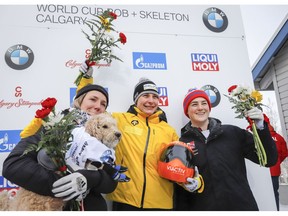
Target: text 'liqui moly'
point(204, 62)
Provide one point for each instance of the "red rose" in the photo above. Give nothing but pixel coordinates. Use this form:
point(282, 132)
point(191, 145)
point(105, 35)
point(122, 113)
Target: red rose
point(42, 113)
point(90, 63)
point(113, 15)
point(63, 168)
point(232, 88)
point(123, 38)
point(49, 103)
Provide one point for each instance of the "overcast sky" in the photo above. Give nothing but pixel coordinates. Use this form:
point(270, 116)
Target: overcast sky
point(260, 23)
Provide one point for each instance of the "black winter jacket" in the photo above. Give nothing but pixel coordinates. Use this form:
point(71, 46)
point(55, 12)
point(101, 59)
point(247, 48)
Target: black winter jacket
point(220, 160)
point(25, 171)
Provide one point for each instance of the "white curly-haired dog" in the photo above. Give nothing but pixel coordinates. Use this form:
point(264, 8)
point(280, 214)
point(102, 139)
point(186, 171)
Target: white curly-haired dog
point(103, 127)
point(86, 149)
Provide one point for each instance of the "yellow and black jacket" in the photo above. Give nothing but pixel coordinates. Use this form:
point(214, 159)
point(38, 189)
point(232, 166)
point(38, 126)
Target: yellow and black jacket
point(139, 148)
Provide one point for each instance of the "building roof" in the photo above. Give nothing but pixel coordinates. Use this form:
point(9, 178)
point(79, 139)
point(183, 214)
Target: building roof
point(259, 69)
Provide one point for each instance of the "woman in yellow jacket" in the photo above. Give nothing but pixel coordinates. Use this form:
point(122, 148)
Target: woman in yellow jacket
point(144, 132)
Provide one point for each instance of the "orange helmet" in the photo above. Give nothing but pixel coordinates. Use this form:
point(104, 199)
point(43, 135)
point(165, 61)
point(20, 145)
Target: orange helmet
point(176, 162)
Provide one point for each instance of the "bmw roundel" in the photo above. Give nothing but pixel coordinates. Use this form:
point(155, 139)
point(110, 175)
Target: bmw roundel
point(215, 19)
point(19, 57)
point(213, 93)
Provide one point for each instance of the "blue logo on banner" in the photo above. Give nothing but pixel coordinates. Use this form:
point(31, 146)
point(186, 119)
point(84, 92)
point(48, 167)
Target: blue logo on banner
point(19, 57)
point(5, 184)
point(73, 94)
point(213, 93)
point(215, 19)
point(9, 139)
point(149, 61)
point(163, 96)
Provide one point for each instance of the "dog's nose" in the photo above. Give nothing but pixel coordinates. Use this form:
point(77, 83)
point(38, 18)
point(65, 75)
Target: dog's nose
point(118, 134)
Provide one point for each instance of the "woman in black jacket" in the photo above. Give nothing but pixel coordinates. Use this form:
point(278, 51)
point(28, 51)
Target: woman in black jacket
point(25, 171)
point(220, 153)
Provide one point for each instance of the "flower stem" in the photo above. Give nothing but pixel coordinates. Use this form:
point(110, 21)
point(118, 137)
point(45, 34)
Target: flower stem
point(78, 79)
point(259, 146)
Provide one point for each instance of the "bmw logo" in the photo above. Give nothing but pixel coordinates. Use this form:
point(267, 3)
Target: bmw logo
point(215, 19)
point(213, 93)
point(19, 57)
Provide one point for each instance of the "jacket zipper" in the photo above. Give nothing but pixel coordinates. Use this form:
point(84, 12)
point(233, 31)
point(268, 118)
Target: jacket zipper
point(144, 164)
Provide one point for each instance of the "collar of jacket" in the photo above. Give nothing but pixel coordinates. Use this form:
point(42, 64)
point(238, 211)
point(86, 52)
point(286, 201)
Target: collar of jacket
point(158, 113)
point(214, 125)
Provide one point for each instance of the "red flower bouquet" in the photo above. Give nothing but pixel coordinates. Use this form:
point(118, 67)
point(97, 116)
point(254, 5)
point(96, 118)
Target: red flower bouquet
point(56, 134)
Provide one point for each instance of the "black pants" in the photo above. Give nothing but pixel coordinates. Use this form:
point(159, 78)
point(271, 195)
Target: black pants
point(275, 181)
point(92, 202)
point(117, 206)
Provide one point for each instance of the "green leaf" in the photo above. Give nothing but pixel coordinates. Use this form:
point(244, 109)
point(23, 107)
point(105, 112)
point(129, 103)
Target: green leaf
point(101, 44)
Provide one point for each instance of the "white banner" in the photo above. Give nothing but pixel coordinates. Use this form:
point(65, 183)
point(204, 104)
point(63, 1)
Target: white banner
point(178, 47)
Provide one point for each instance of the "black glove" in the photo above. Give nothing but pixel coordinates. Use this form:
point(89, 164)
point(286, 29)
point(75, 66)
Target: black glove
point(115, 171)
